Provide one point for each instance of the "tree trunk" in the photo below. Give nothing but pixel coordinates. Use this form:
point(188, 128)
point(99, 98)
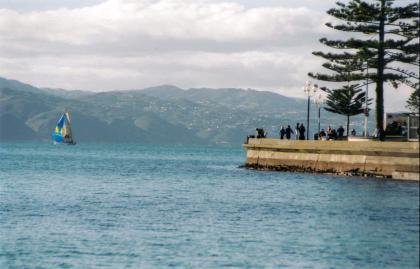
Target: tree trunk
point(381, 66)
point(348, 124)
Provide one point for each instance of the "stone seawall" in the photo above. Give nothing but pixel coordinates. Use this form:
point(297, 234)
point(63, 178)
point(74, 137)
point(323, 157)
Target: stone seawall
point(398, 160)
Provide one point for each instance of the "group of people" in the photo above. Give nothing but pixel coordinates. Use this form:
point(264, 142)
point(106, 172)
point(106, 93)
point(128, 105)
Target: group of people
point(299, 131)
point(260, 133)
point(287, 132)
point(332, 134)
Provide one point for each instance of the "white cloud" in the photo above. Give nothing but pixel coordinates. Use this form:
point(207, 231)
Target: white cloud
point(145, 22)
point(218, 40)
point(126, 44)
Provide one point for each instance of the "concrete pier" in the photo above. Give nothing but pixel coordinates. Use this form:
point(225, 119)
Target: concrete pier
point(397, 160)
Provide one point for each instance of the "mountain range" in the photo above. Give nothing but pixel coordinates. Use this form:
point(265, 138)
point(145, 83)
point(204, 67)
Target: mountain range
point(158, 115)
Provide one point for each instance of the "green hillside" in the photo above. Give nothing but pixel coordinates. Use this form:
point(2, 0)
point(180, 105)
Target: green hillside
point(159, 115)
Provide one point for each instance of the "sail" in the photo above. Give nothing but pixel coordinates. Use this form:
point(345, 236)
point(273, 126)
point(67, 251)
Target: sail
point(57, 133)
point(66, 132)
point(62, 132)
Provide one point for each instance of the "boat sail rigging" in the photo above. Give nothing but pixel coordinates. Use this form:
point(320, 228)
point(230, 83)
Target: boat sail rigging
point(62, 132)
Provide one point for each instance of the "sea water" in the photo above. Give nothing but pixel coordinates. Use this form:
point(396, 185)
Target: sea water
point(136, 206)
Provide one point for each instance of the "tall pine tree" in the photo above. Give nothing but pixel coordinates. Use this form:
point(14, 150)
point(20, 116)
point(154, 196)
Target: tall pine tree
point(387, 45)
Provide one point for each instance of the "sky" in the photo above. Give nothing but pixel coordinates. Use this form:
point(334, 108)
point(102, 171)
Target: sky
point(101, 45)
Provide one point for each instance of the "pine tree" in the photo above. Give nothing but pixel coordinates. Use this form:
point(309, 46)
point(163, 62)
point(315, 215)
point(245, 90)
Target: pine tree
point(347, 101)
point(413, 102)
point(389, 51)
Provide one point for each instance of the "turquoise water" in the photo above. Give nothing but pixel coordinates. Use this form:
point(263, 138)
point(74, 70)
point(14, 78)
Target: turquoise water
point(134, 206)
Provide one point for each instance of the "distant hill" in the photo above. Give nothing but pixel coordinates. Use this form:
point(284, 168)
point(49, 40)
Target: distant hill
point(14, 84)
point(158, 115)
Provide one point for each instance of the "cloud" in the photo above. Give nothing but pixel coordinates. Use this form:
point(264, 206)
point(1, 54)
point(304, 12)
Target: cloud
point(128, 44)
point(132, 44)
point(142, 24)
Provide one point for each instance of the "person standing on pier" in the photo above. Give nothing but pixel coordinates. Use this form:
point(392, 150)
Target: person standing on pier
point(322, 134)
point(282, 132)
point(297, 131)
point(289, 132)
point(302, 132)
point(340, 132)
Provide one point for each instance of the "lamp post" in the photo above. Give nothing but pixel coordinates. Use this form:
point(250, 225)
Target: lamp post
point(310, 89)
point(318, 102)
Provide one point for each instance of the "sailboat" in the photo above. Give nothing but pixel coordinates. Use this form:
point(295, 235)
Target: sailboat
point(62, 132)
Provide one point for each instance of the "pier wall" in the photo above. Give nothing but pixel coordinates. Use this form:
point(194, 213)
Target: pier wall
point(398, 160)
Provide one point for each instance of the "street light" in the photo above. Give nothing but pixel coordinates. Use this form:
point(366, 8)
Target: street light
point(310, 89)
point(318, 102)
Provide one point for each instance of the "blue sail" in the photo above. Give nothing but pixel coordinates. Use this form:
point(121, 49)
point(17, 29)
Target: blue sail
point(57, 134)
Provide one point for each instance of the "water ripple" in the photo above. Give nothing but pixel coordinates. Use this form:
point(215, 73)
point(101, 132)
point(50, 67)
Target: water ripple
point(134, 206)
